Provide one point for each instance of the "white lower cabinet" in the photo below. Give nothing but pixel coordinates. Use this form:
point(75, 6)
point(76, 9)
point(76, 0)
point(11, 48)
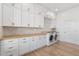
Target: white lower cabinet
point(36, 41)
point(21, 46)
point(24, 45)
point(30, 44)
point(42, 41)
point(9, 47)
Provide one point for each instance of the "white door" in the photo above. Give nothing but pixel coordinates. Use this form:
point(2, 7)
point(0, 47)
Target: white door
point(31, 14)
point(8, 13)
point(32, 44)
point(24, 46)
point(25, 18)
point(36, 18)
point(0, 14)
point(40, 41)
point(36, 42)
point(41, 20)
point(17, 16)
point(39, 17)
point(44, 40)
point(9, 47)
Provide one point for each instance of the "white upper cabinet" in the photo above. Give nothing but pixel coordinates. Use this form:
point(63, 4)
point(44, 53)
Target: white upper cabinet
point(0, 15)
point(17, 14)
point(11, 15)
point(31, 14)
point(27, 15)
point(36, 17)
point(39, 18)
point(8, 13)
point(17, 17)
point(25, 18)
point(22, 15)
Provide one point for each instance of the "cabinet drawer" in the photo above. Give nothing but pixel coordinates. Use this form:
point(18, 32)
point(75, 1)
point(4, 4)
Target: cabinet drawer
point(9, 53)
point(9, 48)
point(23, 41)
point(9, 42)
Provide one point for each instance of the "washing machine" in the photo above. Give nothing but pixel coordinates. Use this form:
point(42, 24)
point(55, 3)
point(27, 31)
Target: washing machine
point(51, 38)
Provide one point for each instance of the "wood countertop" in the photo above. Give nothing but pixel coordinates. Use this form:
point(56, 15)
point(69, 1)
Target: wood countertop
point(22, 36)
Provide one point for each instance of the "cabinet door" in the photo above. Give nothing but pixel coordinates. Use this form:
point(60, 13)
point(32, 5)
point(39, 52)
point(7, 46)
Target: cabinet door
point(0, 14)
point(41, 20)
point(9, 47)
point(36, 18)
point(8, 15)
point(17, 16)
point(44, 40)
point(25, 18)
point(40, 41)
point(31, 14)
point(31, 44)
point(37, 42)
point(24, 46)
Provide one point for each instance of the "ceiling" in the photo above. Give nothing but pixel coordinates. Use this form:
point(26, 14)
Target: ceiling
point(59, 7)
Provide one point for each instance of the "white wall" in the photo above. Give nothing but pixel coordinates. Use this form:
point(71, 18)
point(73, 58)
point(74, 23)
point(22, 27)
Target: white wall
point(68, 25)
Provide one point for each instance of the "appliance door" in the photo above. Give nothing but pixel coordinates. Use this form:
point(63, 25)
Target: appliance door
point(51, 38)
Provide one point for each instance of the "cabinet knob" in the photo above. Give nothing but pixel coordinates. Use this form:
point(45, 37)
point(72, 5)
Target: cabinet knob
point(39, 25)
point(23, 39)
point(28, 25)
point(39, 13)
point(10, 47)
point(32, 40)
point(13, 23)
point(28, 9)
point(10, 41)
point(11, 55)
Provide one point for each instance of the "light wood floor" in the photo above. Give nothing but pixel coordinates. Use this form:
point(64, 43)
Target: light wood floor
point(57, 49)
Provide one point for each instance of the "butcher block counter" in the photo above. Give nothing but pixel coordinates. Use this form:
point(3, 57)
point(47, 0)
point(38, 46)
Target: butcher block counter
point(21, 36)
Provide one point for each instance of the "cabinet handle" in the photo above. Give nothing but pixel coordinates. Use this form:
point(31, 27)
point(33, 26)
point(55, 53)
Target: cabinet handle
point(39, 25)
point(32, 40)
point(28, 25)
point(10, 47)
point(13, 23)
point(10, 41)
point(28, 9)
point(24, 39)
point(39, 13)
point(10, 55)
